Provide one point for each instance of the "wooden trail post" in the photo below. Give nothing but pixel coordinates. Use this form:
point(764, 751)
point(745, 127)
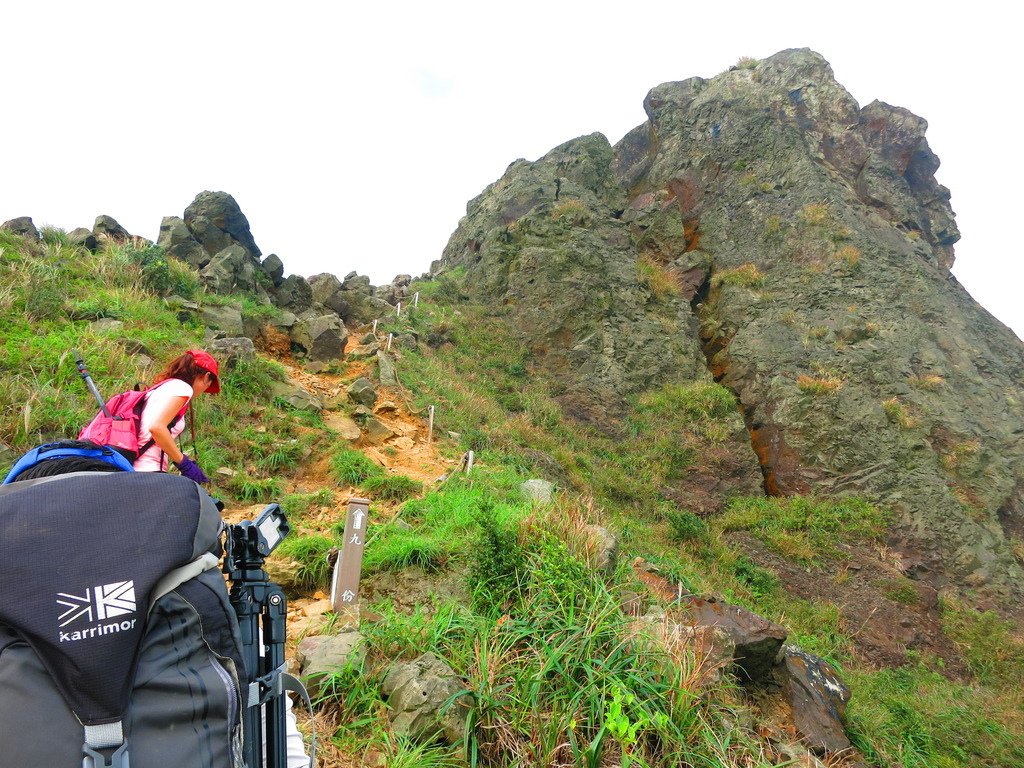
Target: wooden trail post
point(416, 299)
point(374, 327)
point(430, 428)
point(469, 462)
point(349, 565)
point(398, 310)
point(390, 336)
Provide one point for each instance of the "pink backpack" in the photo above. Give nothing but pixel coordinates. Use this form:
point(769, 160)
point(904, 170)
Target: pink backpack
point(120, 430)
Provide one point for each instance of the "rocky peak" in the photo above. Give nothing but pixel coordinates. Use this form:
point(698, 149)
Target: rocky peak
point(764, 229)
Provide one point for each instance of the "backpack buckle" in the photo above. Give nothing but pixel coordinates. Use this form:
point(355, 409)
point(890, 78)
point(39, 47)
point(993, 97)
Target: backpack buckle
point(93, 758)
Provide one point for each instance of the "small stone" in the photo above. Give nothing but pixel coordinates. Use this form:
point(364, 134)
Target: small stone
point(319, 656)
point(362, 391)
point(377, 432)
point(537, 491)
point(106, 325)
point(386, 370)
point(319, 608)
point(343, 425)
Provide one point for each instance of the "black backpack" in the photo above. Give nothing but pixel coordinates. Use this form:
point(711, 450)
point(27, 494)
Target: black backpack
point(116, 635)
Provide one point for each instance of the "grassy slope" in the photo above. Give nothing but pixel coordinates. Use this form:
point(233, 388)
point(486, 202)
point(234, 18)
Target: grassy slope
point(540, 639)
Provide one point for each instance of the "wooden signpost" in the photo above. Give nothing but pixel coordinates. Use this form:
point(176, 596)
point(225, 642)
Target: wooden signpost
point(349, 565)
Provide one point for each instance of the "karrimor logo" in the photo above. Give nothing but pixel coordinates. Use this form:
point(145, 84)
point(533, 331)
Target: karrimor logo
point(98, 604)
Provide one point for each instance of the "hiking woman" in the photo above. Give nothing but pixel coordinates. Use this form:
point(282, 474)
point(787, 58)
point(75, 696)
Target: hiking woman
point(163, 420)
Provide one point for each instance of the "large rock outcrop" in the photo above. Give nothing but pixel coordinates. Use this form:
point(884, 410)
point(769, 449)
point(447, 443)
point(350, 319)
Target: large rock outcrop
point(216, 221)
point(764, 229)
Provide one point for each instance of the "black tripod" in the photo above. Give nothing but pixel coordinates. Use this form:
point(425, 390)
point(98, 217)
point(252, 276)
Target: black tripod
point(260, 605)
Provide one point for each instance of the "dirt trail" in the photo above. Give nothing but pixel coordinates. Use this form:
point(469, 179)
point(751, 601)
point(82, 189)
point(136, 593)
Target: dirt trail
point(407, 452)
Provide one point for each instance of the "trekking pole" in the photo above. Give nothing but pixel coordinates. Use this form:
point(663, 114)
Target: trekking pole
point(89, 382)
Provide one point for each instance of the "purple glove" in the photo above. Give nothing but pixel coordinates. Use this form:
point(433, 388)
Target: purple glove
point(191, 470)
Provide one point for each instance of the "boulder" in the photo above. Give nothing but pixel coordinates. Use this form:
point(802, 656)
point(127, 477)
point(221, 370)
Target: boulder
point(226, 319)
point(296, 397)
point(712, 645)
point(83, 238)
point(212, 239)
point(285, 321)
point(321, 655)
point(386, 370)
point(377, 432)
point(327, 292)
point(799, 757)
point(603, 548)
point(818, 698)
point(410, 340)
point(294, 294)
point(361, 391)
point(758, 640)
point(107, 325)
point(107, 228)
point(397, 291)
point(177, 241)
point(419, 692)
point(344, 425)
point(358, 284)
point(134, 346)
point(537, 491)
point(321, 337)
point(216, 221)
point(274, 269)
point(364, 350)
point(228, 351)
point(230, 270)
point(357, 295)
point(22, 226)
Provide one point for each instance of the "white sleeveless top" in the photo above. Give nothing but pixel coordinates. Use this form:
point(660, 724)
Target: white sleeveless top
point(154, 459)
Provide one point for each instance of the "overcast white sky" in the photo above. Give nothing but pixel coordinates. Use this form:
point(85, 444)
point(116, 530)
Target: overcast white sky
point(352, 136)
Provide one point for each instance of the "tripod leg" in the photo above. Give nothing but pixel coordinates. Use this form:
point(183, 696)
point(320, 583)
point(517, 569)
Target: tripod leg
point(274, 636)
point(248, 613)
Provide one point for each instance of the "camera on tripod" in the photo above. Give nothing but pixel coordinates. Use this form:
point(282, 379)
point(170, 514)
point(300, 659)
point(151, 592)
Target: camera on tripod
point(261, 608)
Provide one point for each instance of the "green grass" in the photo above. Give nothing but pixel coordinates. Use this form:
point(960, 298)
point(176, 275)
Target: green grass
point(391, 487)
point(297, 505)
point(442, 524)
point(989, 643)
point(351, 467)
point(802, 527)
point(310, 552)
point(915, 717)
point(51, 292)
point(398, 551)
point(254, 489)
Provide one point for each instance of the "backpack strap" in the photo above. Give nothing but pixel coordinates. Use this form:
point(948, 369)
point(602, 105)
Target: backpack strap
point(51, 451)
